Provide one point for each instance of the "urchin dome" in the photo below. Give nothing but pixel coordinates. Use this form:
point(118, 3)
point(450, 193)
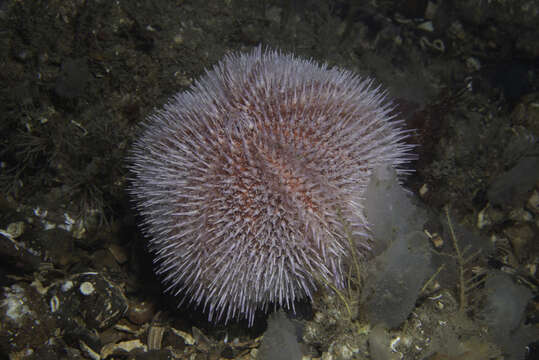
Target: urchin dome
point(250, 182)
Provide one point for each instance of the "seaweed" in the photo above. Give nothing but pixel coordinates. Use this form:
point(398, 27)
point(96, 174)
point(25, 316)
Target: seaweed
point(468, 277)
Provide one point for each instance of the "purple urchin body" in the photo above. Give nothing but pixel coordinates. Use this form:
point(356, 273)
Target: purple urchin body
point(250, 182)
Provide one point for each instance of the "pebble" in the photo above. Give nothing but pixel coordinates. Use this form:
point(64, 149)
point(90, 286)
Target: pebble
point(141, 312)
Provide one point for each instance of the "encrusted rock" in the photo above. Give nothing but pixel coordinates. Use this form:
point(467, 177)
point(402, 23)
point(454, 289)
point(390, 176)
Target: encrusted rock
point(89, 296)
point(25, 324)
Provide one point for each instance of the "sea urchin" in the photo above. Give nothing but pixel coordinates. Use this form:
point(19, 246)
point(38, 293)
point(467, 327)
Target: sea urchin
point(249, 182)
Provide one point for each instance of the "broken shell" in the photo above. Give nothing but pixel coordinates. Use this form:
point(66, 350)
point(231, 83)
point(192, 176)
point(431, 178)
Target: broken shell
point(439, 45)
point(86, 288)
point(435, 238)
point(437, 241)
point(89, 351)
point(118, 253)
point(423, 190)
point(15, 229)
point(68, 285)
point(394, 342)
point(520, 215)
point(122, 348)
point(40, 213)
point(436, 45)
point(440, 305)
point(483, 219)
point(203, 342)
point(128, 328)
point(426, 26)
point(155, 337)
point(187, 338)
point(54, 303)
point(473, 64)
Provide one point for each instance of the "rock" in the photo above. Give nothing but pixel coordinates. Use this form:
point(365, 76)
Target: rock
point(520, 236)
point(141, 312)
point(510, 187)
point(533, 202)
point(25, 323)
point(526, 113)
point(90, 297)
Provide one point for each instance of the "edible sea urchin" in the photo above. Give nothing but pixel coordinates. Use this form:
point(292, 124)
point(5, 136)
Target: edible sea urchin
point(250, 182)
